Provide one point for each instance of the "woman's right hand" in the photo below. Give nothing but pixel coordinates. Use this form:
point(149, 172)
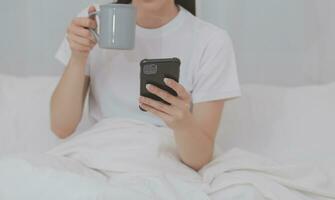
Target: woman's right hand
point(79, 37)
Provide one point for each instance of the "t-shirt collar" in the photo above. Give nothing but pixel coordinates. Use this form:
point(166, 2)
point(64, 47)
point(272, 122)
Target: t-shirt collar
point(170, 26)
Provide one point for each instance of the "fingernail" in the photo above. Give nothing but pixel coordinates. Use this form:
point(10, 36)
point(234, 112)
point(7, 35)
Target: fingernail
point(148, 86)
point(166, 80)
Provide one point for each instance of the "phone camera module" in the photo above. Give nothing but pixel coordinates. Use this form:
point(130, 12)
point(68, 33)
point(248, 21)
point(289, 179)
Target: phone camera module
point(150, 69)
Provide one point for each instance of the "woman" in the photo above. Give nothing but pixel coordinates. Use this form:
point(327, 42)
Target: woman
point(164, 29)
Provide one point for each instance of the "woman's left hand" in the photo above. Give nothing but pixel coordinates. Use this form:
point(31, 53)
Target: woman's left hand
point(178, 114)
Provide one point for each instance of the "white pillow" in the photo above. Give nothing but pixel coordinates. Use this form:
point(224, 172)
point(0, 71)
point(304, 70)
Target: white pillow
point(24, 116)
point(286, 124)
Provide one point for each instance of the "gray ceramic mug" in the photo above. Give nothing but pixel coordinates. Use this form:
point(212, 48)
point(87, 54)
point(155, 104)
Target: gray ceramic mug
point(117, 26)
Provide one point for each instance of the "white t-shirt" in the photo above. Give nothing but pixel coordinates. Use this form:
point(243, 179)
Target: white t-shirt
point(208, 67)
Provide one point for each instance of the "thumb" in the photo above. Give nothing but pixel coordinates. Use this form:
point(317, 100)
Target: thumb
point(91, 10)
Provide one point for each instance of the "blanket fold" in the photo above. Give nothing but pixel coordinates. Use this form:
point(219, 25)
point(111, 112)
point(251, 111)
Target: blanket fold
point(141, 160)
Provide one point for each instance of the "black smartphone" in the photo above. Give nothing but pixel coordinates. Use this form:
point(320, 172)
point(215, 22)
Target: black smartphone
point(153, 71)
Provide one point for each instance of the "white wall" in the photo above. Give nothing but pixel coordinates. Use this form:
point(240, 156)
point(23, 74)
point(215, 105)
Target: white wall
point(31, 32)
point(289, 42)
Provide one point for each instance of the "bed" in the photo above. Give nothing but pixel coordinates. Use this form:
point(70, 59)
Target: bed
point(289, 125)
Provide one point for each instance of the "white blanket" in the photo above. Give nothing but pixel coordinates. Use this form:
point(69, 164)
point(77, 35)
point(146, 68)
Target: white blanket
point(125, 159)
point(263, 179)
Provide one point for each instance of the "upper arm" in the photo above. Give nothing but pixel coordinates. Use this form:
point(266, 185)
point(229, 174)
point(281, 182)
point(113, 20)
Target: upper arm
point(215, 79)
point(208, 116)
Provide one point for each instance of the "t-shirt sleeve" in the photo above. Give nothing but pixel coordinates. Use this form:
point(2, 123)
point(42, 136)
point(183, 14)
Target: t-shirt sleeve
point(216, 76)
point(63, 53)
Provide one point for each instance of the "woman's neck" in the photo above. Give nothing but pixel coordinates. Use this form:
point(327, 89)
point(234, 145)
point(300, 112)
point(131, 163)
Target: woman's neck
point(149, 16)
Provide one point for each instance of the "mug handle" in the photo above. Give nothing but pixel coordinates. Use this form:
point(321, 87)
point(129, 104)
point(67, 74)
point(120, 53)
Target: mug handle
point(94, 32)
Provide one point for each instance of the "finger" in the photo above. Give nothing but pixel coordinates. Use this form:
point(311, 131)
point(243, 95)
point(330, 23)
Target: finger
point(157, 105)
point(85, 22)
point(163, 116)
point(181, 91)
point(79, 47)
point(82, 32)
point(81, 41)
point(162, 94)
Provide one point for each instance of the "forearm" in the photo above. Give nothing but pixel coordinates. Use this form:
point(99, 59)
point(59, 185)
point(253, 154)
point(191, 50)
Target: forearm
point(195, 147)
point(68, 98)
point(194, 129)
